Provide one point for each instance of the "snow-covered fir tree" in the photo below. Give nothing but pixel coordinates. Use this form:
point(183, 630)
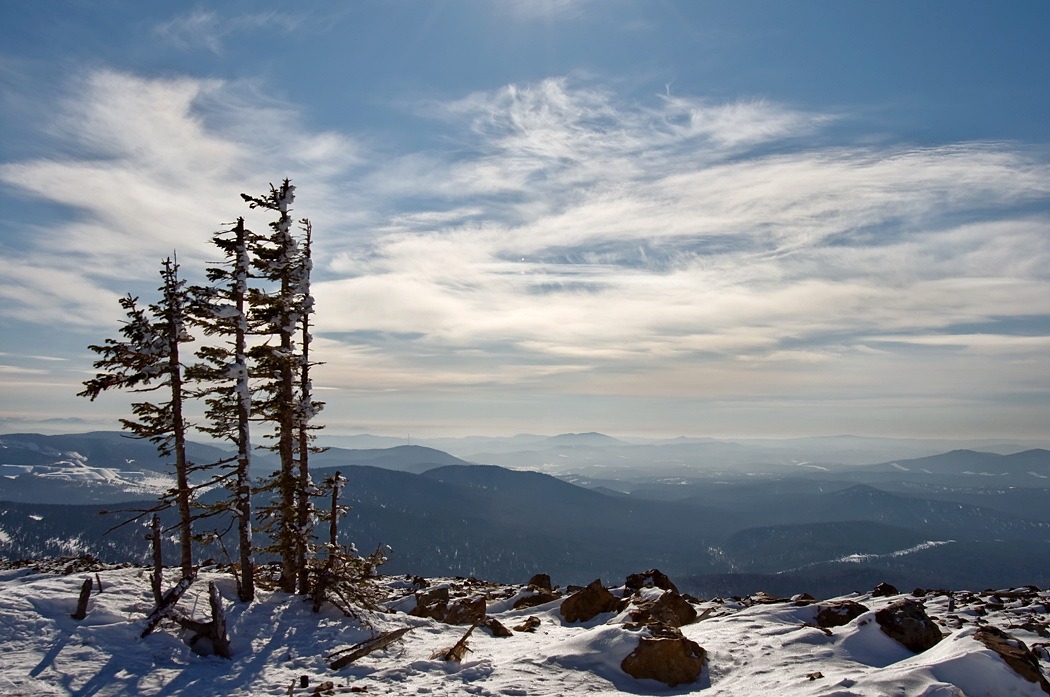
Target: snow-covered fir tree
point(147, 359)
point(221, 309)
point(277, 312)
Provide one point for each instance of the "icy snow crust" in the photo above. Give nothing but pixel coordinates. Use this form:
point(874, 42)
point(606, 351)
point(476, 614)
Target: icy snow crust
point(763, 649)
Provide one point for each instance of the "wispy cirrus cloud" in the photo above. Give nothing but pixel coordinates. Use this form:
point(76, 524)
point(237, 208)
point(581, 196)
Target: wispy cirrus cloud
point(570, 241)
point(209, 30)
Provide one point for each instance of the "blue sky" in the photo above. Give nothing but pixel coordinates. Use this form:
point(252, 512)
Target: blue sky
point(644, 218)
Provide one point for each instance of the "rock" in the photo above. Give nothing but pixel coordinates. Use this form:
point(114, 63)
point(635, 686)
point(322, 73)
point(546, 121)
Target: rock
point(540, 597)
point(466, 611)
point(803, 599)
point(839, 613)
point(672, 661)
point(670, 609)
point(884, 590)
point(585, 604)
point(650, 578)
point(541, 581)
point(919, 592)
point(436, 605)
point(1016, 654)
point(763, 598)
point(529, 625)
point(496, 628)
point(906, 621)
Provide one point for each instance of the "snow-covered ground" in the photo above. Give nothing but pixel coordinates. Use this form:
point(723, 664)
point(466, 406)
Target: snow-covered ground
point(752, 649)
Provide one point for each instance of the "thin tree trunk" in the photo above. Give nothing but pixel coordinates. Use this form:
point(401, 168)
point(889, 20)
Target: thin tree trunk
point(182, 495)
point(157, 578)
point(243, 492)
point(289, 540)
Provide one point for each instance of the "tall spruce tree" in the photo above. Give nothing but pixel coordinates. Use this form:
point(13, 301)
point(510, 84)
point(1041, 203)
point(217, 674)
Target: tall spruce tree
point(306, 409)
point(276, 313)
point(221, 309)
point(147, 359)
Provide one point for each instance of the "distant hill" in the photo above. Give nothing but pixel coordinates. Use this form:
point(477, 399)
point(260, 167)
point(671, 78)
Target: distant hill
point(98, 467)
point(1030, 466)
point(405, 458)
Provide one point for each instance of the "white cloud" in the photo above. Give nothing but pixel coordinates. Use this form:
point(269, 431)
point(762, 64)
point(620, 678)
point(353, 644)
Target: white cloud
point(210, 31)
point(569, 240)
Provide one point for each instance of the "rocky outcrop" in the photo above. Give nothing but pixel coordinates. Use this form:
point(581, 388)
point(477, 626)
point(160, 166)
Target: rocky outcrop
point(906, 621)
point(650, 578)
point(542, 581)
point(838, 613)
point(674, 661)
point(496, 628)
point(1016, 654)
point(884, 590)
point(589, 602)
point(670, 609)
point(437, 605)
point(540, 596)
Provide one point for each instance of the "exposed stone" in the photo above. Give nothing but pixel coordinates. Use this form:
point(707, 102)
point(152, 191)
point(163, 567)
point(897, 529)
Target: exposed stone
point(1016, 654)
point(906, 621)
point(763, 598)
point(541, 581)
point(674, 661)
point(436, 605)
point(650, 578)
point(839, 613)
point(803, 599)
point(529, 625)
point(670, 609)
point(884, 590)
point(585, 604)
point(540, 597)
point(466, 611)
point(496, 628)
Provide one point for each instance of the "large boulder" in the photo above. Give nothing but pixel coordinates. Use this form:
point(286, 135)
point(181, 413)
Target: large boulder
point(674, 661)
point(1016, 654)
point(540, 596)
point(650, 578)
point(838, 613)
point(541, 581)
point(466, 611)
point(589, 602)
point(884, 590)
point(906, 621)
point(670, 609)
point(437, 605)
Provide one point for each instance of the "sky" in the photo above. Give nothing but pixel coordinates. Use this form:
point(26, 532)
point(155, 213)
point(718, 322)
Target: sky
point(650, 218)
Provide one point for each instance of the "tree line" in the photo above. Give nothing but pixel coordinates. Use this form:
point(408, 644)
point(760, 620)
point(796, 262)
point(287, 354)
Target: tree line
point(252, 369)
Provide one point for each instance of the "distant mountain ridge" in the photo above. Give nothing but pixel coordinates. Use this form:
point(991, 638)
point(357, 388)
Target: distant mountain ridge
point(1028, 463)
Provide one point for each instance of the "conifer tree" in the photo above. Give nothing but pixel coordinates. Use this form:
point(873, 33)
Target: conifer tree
point(221, 309)
point(147, 359)
point(306, 409)
point(277, 313)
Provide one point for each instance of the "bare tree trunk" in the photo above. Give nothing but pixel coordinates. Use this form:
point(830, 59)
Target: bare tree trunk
point(157, 578)
point(219, 639)
point(243, 492)
point(82, 601)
